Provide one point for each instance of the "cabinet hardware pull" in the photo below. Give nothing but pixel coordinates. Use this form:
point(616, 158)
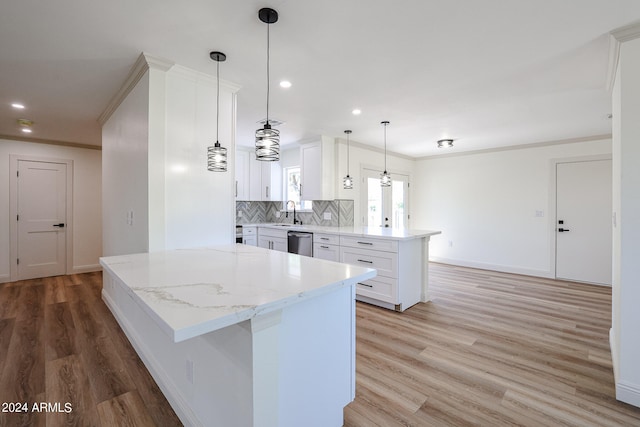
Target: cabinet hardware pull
point(364, 260)
point(324, 238)
point(267, 191)
point(366, 243)
point(364, 284)
point(236, 188)
point(324, 247)
point(300, 191)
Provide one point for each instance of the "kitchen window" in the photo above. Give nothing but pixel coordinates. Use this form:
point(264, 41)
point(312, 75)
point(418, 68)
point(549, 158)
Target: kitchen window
point(291, 180)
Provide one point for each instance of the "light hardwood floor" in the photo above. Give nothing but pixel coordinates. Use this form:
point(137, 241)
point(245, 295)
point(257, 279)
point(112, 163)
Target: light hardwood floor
point(490, 349)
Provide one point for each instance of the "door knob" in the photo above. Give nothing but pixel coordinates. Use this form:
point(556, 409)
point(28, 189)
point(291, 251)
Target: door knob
point(61, 225)
point(562, 230)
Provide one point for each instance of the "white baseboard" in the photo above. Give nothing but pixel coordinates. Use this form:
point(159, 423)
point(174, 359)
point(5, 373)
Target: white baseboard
point(78, 269)
point(4, 278)
point(494, 267)
point(628, 393)
point(167, 386)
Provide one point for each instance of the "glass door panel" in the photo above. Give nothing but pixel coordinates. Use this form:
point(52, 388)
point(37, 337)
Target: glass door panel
point(385, 206)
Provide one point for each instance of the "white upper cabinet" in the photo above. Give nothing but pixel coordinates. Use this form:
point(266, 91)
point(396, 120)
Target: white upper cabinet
point(265, 180)
point(243, 158)
point(317, 169)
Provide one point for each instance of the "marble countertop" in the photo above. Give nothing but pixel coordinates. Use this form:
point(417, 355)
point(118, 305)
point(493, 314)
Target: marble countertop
point(380, 232)
point(190, 292)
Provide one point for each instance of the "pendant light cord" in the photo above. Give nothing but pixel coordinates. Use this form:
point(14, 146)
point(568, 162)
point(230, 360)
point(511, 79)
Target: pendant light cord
point(268, 79)
point(217, 98)
point(347, 154)
point(385, 147)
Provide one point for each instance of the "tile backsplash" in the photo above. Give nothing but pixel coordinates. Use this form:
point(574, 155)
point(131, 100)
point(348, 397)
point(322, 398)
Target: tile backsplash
point(258, 212)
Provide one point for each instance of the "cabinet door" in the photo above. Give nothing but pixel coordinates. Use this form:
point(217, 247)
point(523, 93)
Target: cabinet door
point(317, 165)
point(242, 174)
point(271, 181)
point(264, 242)
point(255, 179)
point(279, 244)
point(251, 240)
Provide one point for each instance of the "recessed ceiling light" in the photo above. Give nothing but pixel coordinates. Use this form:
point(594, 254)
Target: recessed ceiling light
point(356, 112)
point(17, 106)
point(445, 143)
point(26, 130)
point(285, 84)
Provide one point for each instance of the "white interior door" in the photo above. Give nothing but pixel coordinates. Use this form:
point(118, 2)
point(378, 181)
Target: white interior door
point(385, 206)
point(41, 230)
point(583, 221)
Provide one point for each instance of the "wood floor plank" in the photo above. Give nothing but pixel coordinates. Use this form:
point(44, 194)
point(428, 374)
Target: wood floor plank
point(67, 384)
point(126, 410)
point(60, 331)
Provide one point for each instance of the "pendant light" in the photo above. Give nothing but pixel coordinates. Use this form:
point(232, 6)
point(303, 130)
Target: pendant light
point(217, 154)
point(267, 139)
point(385, 178)
point(347, 181)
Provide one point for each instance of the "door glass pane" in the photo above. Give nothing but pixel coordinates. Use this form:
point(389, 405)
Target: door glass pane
point(374, 202)
point(397, 204)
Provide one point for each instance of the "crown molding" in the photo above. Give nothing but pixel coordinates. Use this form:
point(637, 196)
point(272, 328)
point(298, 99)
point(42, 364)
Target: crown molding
point(51, 142)
point(142, 64)
point(519, 147)
point(200, 77)
point(628, 32)
point(612, 66)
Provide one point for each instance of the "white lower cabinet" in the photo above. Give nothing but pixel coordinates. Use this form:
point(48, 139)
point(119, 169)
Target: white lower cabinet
point(399, 263)
point(326, 246)
point(269, 238)
point(250, 236)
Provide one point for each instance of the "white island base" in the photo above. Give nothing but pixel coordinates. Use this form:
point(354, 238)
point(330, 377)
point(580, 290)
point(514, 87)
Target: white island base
point(284, 357)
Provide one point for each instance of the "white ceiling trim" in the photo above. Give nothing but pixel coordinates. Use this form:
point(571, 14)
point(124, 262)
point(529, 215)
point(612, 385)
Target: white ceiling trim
point(628, 32)
point(520, 147)
point(50, 142)
point(143, 63)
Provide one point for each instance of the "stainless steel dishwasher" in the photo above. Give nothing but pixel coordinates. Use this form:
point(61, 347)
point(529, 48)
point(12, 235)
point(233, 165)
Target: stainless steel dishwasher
point(300, 242)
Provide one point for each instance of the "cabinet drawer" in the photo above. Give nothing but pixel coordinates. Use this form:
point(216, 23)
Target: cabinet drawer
point(249, 231)
point(386, 263)
point(325, 251)
point(381, 288)
point(272, 232)
point(326, 239)
point(369, 243)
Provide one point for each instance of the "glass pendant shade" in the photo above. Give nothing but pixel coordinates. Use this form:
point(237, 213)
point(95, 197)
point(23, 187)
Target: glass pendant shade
point(385, 179)
point(347, 181)
point(268, 144)
point(217, 158)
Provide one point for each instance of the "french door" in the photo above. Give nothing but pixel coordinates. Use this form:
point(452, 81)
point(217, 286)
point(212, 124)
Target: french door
point(385, 206)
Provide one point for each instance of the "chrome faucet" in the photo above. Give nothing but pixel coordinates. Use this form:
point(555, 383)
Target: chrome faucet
point(295, 220)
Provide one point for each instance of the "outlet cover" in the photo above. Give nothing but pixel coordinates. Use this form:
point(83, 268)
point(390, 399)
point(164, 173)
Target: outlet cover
point(327, 216)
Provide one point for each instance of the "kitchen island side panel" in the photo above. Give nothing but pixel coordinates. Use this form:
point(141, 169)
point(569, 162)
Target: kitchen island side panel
point(211, 377)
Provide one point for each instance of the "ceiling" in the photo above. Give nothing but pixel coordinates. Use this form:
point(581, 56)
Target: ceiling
point(487, 74)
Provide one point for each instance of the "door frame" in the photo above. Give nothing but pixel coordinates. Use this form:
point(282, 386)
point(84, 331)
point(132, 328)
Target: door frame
point(553, 196)
point(364, 194)
point(13, 210)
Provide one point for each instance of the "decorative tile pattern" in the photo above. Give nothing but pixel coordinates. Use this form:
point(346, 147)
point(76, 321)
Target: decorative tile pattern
point(258, 212)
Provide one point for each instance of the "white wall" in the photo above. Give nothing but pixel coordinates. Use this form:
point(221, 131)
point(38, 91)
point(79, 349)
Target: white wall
point(155, 163)
point(124, 174)
point(625, 344)
point(87, 237)
point(485, 206)
point(360, 156)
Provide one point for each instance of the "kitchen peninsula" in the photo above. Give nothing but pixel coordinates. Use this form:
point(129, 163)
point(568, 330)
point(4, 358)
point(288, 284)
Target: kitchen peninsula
point(400, 255)
point(241, 336)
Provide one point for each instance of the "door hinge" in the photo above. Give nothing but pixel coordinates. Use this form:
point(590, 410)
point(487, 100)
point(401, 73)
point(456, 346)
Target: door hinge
point(18, 261)
point(17, 217)
point(17, 173)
